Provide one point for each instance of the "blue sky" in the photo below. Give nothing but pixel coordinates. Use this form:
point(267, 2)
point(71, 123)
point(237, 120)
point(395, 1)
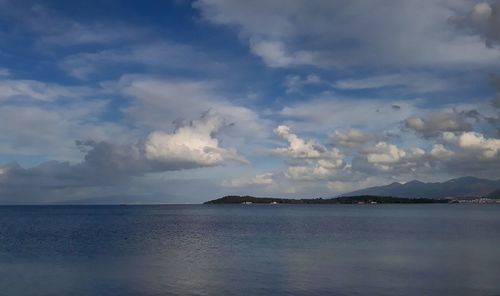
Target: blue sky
point(182, 101)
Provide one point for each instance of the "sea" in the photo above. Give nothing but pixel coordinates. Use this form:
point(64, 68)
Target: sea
point(383, 249)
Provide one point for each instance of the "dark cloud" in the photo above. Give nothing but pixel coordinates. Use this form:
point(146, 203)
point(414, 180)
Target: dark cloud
point(103, 165)
point(353, 138)
point(434, 124)
point(495, 82)
point(348, 32)
point(496, 101)
point(482, 20)
point(106, 165)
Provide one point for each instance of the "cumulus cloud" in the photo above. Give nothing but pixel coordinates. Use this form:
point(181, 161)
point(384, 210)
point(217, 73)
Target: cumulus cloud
point(351, 141)
point(384, 153)
point(156, 102)
point(474, 142)
point(298, 148)
point(42, 120)
point(466, 153)
point(387, 156)
point(364, 160)
point(484, 20)
point(453, 154)
point(355, 165)
point(105, 164)
point(440, 152)
point(352, 137)
point(320, 170)
point(194, 143)
point(309, 160)
point(435, 123)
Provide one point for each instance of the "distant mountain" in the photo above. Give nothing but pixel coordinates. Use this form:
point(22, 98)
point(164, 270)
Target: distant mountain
point(456, 188)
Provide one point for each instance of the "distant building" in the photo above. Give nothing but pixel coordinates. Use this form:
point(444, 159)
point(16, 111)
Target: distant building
point(481, 200)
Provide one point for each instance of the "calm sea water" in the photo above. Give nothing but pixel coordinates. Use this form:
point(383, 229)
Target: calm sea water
point(250, 250)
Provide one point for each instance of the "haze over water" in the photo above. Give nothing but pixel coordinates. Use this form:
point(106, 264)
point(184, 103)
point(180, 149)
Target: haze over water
point(250, 250)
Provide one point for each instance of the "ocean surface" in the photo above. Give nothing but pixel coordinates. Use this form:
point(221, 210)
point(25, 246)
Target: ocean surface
point(430, 249)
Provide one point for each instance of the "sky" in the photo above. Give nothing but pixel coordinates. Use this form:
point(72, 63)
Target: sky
point(184, 101)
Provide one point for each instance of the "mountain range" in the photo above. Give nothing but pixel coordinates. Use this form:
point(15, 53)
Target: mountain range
point(464, 187)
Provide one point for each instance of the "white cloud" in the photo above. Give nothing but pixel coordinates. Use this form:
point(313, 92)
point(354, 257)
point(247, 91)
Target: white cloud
point(36, 90)
point(107, 165)
point(156, 103)
point(389, 157)
point(473, 142)
point(320, 170)
point(316, 162)
point(298, 148)
point(275, 54)
point(259, 180)
point(194, 143)
point(152, 55)
point(45, 119)
point(440, 152)
point(359, 164)
point(51, 131)
point(384, 153)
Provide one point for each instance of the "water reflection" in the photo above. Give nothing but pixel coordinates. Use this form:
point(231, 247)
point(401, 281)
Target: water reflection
point(235, 250)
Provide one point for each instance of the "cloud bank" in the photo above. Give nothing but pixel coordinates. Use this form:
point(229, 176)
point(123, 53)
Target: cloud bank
point(192, 145)
point(314, 97)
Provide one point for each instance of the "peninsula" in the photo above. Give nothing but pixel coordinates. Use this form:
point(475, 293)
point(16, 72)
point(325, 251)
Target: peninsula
point(362, 199)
